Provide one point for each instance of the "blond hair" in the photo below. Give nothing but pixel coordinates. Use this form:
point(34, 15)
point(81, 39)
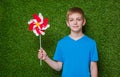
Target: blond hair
point(74, 10)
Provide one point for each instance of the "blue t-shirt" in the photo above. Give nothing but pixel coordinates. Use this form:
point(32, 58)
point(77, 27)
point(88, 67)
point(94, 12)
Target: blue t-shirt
point(76, 56)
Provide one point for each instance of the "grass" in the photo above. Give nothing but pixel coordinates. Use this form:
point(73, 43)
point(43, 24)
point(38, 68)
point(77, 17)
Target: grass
point(19, 47)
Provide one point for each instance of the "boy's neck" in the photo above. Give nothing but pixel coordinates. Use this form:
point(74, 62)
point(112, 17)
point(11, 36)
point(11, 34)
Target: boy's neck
point(76, 36)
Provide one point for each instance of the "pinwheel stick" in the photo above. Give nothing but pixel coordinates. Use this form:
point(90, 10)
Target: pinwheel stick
point(40, 48)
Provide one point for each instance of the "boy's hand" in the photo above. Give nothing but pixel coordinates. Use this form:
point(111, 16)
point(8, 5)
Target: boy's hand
point(42, 54)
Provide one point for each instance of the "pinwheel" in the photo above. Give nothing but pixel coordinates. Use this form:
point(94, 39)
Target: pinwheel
point(38, 25)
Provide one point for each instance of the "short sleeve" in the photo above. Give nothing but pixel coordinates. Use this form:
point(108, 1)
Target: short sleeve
point(58, 56)
point(94, 53)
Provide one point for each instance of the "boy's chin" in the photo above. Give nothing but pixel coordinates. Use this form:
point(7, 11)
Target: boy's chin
point(76, 31)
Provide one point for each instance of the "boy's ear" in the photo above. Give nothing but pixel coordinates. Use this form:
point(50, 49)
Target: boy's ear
point(84, 22)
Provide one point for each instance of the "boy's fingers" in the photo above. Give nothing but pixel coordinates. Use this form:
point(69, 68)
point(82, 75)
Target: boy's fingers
point(40, 57)
point(41, 51)
point(41, 54)
point(41, 48)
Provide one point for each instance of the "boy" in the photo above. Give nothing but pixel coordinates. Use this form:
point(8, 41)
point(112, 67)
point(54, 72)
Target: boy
point(76, 54)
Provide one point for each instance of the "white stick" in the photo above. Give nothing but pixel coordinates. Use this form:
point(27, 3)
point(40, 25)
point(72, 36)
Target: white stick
point(40, 48)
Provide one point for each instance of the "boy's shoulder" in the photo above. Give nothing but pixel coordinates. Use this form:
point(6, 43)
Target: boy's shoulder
point(64, 38)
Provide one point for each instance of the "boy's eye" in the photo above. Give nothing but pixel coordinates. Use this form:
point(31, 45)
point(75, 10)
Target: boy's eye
point(79, 19)
point(71, 20)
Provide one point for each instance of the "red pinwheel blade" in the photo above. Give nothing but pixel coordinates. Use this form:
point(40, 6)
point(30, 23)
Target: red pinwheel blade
point(45, 22)
point(31, 25)
point(35, 16)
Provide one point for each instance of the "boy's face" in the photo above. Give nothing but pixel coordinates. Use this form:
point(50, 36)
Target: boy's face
point(75, 22)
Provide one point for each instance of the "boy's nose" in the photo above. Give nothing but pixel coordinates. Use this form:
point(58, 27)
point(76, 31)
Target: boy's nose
point(75, 22)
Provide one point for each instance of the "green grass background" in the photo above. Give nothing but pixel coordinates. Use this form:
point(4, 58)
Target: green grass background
point(19, 47)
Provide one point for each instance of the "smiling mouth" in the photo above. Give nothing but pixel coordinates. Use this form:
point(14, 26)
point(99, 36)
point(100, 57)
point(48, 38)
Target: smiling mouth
point(75, 26)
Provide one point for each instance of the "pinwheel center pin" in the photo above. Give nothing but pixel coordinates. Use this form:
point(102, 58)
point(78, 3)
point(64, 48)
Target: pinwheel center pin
point(37, 24)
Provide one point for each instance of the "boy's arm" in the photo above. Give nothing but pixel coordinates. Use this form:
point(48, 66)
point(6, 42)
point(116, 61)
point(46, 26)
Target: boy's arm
point(53, 64)
point(94, 69)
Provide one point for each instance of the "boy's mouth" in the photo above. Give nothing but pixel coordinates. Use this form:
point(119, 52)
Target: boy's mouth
point(75, 26)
